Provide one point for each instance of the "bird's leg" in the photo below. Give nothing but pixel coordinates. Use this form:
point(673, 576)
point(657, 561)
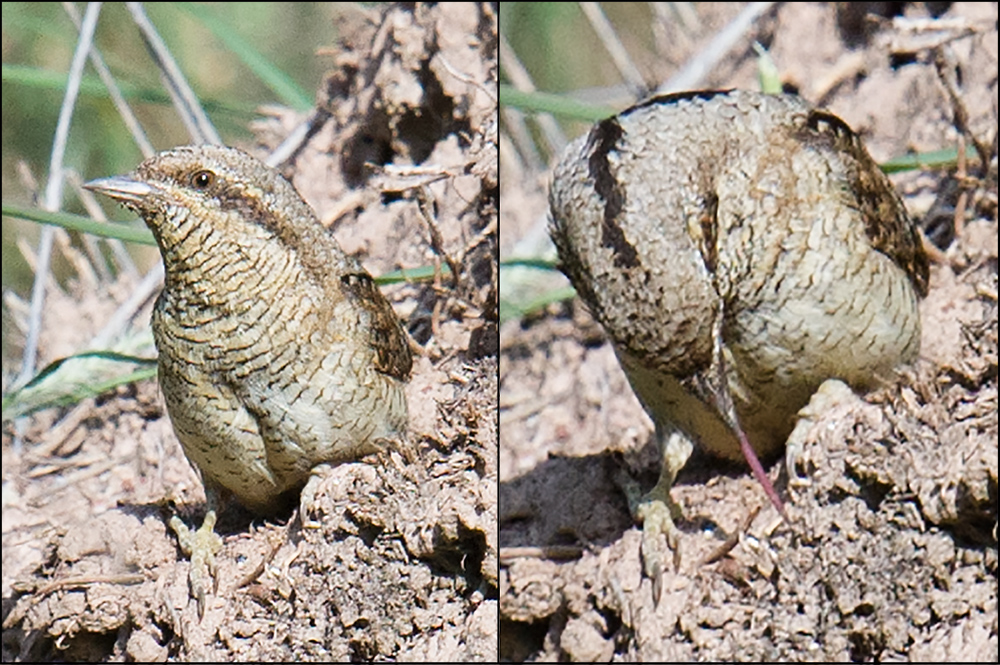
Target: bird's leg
point(201, 546)
point(831, 394)
point(656, 509)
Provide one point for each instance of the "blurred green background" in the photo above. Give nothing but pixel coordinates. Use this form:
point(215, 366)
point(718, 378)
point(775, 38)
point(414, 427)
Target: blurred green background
point(558, 46)
point(205, 38)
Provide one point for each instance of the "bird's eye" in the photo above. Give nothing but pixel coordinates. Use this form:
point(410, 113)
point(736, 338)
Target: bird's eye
point(202, 179)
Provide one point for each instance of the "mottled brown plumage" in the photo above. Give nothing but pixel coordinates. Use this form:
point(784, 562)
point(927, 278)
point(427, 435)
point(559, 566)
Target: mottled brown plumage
point(277, 352)
point(739, 249)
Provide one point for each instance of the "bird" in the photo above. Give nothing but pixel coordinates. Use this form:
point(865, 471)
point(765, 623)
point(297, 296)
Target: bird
point(276, 350)
point(740, 250)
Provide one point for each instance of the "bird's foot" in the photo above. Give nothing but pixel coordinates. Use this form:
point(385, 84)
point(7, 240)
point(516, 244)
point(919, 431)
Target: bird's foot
point(831, 394)
point(201, 546)
point(658, 514)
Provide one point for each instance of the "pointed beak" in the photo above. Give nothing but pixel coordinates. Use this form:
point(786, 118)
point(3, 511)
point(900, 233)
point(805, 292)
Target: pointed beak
point(122, 188)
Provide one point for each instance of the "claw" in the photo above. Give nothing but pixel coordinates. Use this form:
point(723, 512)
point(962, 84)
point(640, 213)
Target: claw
point(832, 393)
point(658, 512)
point(201, 546)
point(657, 516)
